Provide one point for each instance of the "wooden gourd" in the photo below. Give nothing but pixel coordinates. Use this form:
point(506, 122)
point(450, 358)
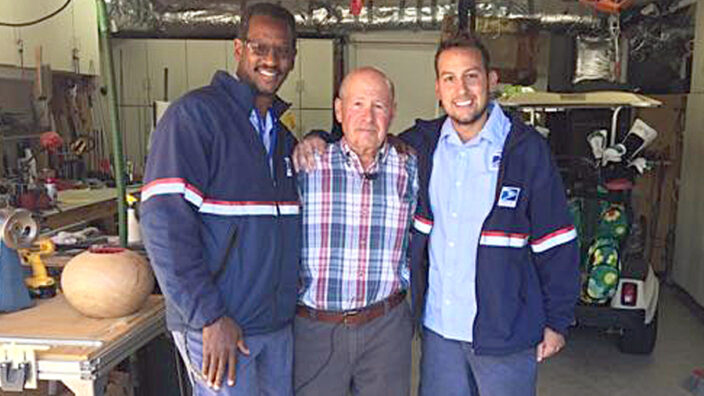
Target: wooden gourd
point(107, 282)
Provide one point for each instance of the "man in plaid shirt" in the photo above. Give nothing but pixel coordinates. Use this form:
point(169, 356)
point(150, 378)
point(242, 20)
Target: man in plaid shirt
point(353, 327)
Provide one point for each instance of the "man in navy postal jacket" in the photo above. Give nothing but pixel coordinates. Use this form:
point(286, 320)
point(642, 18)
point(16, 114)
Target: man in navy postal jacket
point(494, 256)
point(221, 221)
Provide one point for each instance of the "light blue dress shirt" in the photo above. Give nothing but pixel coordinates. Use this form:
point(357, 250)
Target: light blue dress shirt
point(462, 190)
point(265, 128)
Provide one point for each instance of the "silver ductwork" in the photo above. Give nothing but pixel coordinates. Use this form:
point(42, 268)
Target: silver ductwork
point(218, 19)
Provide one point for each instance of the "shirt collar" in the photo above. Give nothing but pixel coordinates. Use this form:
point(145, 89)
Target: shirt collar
point(494, 130)
point(353, 159)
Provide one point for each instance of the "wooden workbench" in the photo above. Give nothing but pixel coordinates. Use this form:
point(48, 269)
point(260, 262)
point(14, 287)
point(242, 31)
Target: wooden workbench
point(86, 205)
point(81, 350)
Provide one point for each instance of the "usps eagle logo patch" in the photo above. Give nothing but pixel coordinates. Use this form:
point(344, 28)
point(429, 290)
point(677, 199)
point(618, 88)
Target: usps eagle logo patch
point(495, 161)
point(509, 197)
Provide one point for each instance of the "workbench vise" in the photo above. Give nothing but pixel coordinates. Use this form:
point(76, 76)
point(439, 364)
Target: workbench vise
point(17, 229)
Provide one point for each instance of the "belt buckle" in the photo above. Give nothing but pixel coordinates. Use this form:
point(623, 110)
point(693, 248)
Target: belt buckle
point(350, 314)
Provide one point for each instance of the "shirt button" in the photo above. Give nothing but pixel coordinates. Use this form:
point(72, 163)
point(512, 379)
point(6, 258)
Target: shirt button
point(451, 244)
point(454, 214)
point(458, 183)
point(447, 302)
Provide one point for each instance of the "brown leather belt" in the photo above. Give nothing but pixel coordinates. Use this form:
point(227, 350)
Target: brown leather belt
point(353, 317)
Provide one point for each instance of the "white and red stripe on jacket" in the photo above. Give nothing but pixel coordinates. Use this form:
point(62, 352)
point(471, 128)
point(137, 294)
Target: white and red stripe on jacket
point(219, 207)
point(508, 239)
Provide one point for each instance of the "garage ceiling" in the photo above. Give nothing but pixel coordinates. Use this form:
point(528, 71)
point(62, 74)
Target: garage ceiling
point(218, 18)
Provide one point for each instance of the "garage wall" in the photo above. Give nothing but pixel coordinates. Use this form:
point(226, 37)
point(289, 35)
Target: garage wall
point(69, 40)
point(142, 78)
point(688, 268)
point(407, 57)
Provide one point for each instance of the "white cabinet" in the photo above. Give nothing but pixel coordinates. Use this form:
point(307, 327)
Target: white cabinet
point(55, 35)
point(86, 39)
point(140, 65)
point(8, 46)
point(69, 40)
point(166, 60)
point(131, 76)
point(316, 69)
point(203, 58)
point(407, 58)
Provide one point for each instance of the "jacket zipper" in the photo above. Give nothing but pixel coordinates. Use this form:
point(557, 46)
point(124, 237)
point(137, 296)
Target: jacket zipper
point(499, 182)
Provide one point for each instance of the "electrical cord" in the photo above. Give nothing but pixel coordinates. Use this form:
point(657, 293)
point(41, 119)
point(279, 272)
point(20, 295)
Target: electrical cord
point(36, 21)
point(325, 363)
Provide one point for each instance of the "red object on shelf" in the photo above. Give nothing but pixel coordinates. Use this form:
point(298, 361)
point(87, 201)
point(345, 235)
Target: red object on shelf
point(356, 6)
point(51, 140)
point(610, 6)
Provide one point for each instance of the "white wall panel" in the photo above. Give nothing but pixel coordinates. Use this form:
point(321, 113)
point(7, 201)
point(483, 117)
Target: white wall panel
point(86, 37)
point(407, 58)
point(203, 58)
point(171, 55)
point(74, 27)
point(688, 268)
point(132, 78)
point(314, 119)
point(316, 73)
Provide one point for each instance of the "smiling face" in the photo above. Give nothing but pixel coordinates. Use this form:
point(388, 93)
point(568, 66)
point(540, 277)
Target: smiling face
point(266, 55)
point(463, 86)
point(365, 109)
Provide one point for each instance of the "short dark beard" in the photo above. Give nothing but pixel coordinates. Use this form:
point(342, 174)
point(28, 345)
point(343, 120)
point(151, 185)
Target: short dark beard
point(252, 86)
point(476, 117)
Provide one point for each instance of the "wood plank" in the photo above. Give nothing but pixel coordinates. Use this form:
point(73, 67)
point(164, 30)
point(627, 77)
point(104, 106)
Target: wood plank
point(55, 319)
point(656, 192)
point(90, 212)
point(581, 99)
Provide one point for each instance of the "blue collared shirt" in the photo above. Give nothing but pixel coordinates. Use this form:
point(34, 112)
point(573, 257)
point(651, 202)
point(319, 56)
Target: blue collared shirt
point(462, 189)
point(265, 128)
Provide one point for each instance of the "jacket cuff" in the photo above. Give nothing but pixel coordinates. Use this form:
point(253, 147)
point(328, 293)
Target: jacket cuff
point(559, 327)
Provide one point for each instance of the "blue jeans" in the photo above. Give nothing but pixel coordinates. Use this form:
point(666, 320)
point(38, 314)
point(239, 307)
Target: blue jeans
point(450, 368)
point(268, 370)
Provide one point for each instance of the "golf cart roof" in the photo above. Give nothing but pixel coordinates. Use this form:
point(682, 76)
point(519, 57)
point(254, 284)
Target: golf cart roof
point(599, 99)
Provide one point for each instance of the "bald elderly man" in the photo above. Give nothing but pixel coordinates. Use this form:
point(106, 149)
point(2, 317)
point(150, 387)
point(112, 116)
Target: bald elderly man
point(353, 326)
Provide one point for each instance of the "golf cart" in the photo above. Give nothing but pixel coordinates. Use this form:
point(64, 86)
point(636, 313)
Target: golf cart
point(599, 167)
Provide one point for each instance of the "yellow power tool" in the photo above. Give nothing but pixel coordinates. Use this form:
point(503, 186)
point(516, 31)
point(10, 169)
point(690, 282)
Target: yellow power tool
point(40, 284)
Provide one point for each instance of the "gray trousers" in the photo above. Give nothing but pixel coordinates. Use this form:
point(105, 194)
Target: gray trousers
point(371, 359)
point(450, 368)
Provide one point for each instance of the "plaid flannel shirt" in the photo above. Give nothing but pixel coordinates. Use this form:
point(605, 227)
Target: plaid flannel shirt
point(355, 228)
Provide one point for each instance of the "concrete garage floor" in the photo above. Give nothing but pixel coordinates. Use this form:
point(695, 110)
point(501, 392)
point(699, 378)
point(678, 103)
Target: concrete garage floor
point(592, 365)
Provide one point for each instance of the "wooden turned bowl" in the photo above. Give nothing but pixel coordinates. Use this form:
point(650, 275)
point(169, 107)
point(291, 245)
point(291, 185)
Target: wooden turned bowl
point(107, 282)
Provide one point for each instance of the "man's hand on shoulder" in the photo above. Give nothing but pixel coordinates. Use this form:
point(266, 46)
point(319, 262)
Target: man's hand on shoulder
point(305, 151)
point(552, 343)
point(221, 341)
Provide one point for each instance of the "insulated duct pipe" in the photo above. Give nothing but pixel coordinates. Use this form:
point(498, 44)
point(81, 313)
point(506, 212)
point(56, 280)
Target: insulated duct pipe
point(318, 18)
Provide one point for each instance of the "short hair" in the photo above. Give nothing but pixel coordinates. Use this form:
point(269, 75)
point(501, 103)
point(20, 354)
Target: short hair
point(463, 41)
point(271, 10)
point(374, 69)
